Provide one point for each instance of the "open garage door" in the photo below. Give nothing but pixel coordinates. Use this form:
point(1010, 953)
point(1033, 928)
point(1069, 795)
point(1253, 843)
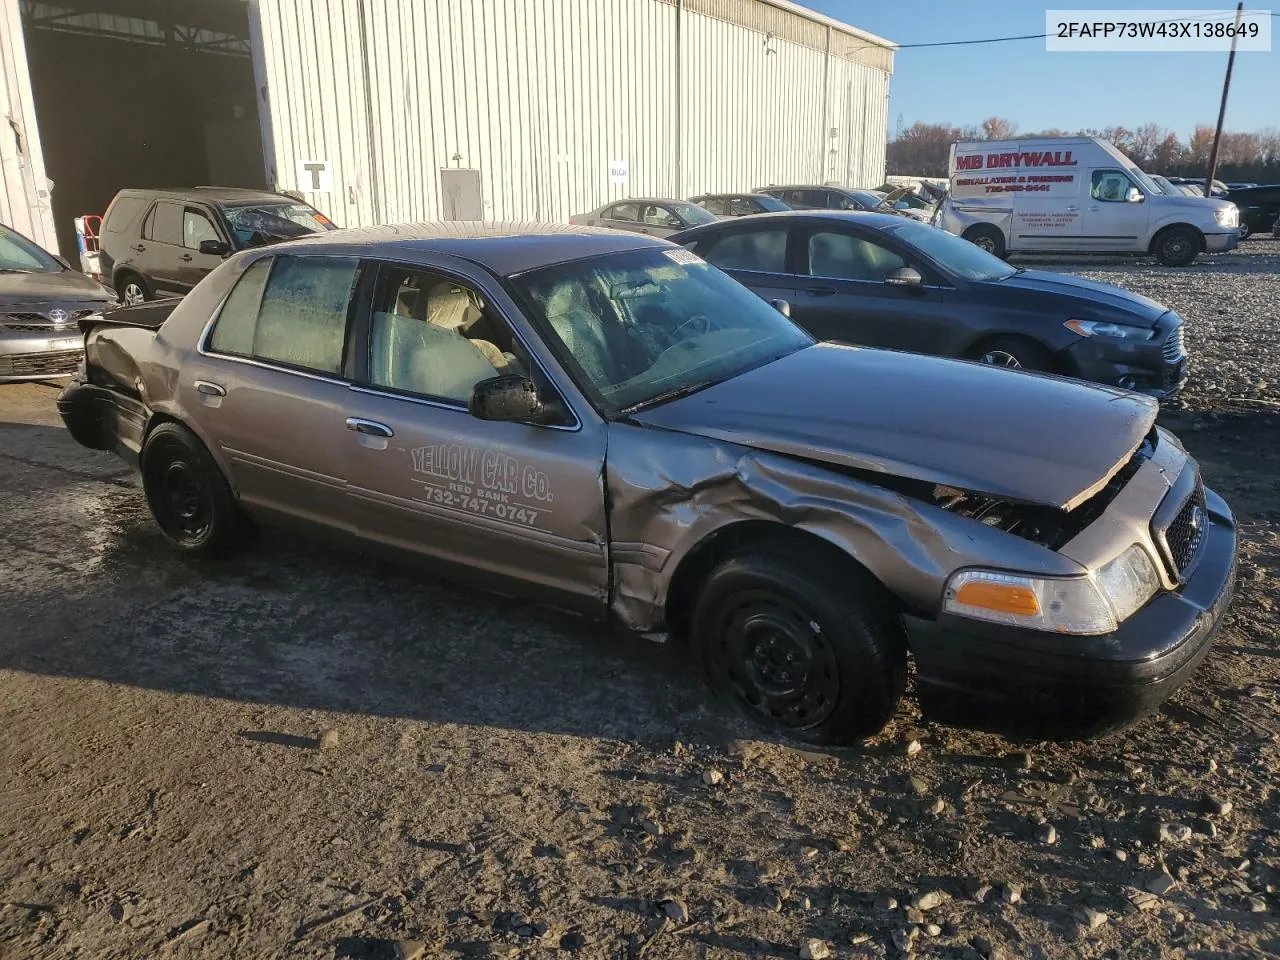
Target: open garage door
point(140, 93)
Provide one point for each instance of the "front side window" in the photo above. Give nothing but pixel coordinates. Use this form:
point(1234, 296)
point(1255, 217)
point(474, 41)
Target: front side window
point(956, 255)
point(643, 326)
point(289, 310)
point(770, 203)
point(847, 257)
point(738, 207)
point(196, 228)
point(763, 250)
point(713, 205)
point(164, 225)
point(434, 337)
point(1110, 186)
point(656, 216)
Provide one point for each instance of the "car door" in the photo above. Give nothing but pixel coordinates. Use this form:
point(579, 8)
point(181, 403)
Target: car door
point(197, 226)
point(160, 256)
point(660, 221)
point(518, 502)
point(267, 387)
point(1112, 221)
point(1051, 216)
point(754, 256)
point(622, 216)
point(842, 294)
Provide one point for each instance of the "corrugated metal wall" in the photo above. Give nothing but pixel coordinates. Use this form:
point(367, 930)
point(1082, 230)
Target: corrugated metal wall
point(24, 189)
point(541, 96)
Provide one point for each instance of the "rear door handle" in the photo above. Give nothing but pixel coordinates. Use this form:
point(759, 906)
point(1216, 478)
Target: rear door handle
point(370, 428)
point(211, 389)
point(185, 258)
point(139, 247)
point(1074, 207)
point(820, 291)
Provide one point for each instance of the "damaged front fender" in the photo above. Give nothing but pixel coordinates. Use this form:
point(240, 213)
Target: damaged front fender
point(669, 492)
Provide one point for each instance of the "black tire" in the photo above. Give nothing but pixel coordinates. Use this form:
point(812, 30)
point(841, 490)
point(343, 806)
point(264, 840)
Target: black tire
point(130, 285)
point(777, 608)
point(1245, 232)
point(1177, 246)
point(1017, 353)
point(188, 495)
point(988, 238)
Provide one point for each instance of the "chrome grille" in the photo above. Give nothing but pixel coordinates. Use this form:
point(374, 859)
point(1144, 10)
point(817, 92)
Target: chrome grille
point(39, 322)
point(40, 364)
point(1174, 347)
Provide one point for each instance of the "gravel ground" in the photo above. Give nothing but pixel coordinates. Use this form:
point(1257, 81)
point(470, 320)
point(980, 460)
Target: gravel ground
point(302, 753)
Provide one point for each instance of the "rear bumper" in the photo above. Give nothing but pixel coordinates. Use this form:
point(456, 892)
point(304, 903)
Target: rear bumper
point(103, 419)
point(1048, 685)
point(1221, 242)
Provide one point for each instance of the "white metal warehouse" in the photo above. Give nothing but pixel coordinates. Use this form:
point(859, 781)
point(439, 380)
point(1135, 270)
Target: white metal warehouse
point(394, 110)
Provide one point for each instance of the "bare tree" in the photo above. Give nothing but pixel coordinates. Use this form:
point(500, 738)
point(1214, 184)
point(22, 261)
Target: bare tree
point(998, 128)
point(1145, 141)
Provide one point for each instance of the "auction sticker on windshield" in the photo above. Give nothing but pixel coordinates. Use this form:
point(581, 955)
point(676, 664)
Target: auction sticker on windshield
point(682, 256)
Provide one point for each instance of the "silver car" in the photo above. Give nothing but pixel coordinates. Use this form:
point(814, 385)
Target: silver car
point(41, 302)
point(656, 217)
point(607, 423)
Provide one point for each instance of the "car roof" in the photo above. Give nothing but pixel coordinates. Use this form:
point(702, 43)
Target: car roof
point(229, 195)
point(802, 186)
point(732, 193)
point(863, 218)
point(643, 200)
point(505, 248)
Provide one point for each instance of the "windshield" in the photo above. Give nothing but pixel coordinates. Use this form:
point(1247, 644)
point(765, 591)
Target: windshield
point(771, 204)
point(866, 198)
point(20, 255)
point(271, 222)
point(1170, 189)
point(959, 256)
point(645, 325)
point(1148, 185)
point(691, 213)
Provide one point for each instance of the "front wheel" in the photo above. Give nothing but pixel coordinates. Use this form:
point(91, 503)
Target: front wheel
point(1244, 232)
point(1014, 353)
point(133, 290)
point(811, 649)
point(188, 495)
point(1177, 246)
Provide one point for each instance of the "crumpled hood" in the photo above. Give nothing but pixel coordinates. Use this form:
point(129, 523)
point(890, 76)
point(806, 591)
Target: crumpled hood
point(1008, 434)
point(1134, 307)
point(25, 290)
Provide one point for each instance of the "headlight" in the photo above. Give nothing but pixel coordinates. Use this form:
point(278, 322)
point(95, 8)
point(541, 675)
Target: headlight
point(1120, 331)
point(1228, 216)
point(1092, 604)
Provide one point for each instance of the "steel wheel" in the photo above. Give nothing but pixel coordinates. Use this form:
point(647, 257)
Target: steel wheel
point(186, 508)
point(1244, 231)
point(1001, 358)
point(779, 663)
point(984, 242)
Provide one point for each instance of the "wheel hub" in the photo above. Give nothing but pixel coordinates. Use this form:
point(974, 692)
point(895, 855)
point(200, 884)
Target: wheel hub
point(184, 495)
point(1001, 358)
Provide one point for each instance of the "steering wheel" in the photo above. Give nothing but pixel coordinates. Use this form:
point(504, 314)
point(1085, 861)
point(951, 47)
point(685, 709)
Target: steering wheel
point(706, 327)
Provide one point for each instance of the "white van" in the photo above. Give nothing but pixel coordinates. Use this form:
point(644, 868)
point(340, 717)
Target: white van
point(1075, 195)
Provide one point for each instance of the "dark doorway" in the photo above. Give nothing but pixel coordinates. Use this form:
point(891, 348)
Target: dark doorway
point(141, 93)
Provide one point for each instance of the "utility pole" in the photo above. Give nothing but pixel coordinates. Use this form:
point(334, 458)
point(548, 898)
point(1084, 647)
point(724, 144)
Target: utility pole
point(1222, 108)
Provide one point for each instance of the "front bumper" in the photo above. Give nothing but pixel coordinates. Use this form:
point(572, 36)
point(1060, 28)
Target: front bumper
point(1155, 367)
point(1222, 242)
point(1030, 683)
point(39, 355)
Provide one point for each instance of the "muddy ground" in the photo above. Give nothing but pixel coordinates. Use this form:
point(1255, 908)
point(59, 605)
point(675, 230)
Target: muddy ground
point(511, 781)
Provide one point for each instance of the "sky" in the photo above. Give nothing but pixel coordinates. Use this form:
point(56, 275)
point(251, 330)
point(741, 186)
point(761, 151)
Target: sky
point(1038, 90)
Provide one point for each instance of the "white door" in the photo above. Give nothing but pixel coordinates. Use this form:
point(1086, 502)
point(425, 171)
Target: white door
point(460, 194)
point(1114, 218)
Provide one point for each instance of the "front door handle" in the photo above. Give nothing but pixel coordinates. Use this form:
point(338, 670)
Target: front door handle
point(1073, 207)
point(185, 258)
point(820, 291)
point(139, 247)
point(370, 428)
point(211, 389)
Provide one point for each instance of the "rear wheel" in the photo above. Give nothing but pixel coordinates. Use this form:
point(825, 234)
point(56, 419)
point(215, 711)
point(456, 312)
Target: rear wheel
point(132, 289)
point(986, 237)
point(188, 495)
point(809, 648)
point(1177, 246)
point(1013, 352)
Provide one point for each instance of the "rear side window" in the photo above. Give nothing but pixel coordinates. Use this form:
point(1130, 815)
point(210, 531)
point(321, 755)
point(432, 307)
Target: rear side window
point(164, 225)
point(713, 205)
point(763, 250)
point(624, 211)
point(124, 211)
point(290, 310)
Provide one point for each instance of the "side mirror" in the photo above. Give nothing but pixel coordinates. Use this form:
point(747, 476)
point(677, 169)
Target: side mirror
point(781, 306)
point(904, 277)
point(217, 248)
point(510, 397)
point(1134, 195)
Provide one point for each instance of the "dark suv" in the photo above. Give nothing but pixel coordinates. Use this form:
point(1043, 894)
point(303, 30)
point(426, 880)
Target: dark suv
point(826, 198)
point(1259, 208)
point(161, 243)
